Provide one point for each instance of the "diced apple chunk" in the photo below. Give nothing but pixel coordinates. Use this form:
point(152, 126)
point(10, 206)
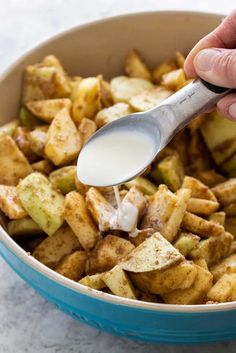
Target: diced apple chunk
point(119, 283)
point(14, 165)
point(42, 202)
point(10, 203)
point(63, 139)
point(77, 216)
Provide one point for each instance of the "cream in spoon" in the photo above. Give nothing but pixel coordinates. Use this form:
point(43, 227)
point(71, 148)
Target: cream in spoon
point(117, 155)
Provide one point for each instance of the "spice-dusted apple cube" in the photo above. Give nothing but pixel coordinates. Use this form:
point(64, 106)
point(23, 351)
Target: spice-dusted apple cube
point(186, 242)
point(223, 145)
point(63, 139)
point(227, 265)
point(37, 139)
point(171, 171)
point(74, 83)
point(149, 99)
point(61, 79)
point(119, 283)
point(42, 82)
point(53, 61)
point(218, 217)
point(213, 249)
point(100, 209)
point(94, 281)
point(43, 166)
point(39, 83)
point(10, 203)
point(123, 88)
point(52, 249)
point(28, 120)
point(194, 294)
point(224, 290)
point(105, 90)
point(137, 199)
point(41, 202)
point(80, 187)
point(107, 253)
point(47, 109)
point(21, 137)
point(63, 179)
point(110, 114)
point(198, 189)
point(202, 207)
point(87, 128)
point(163, 281)
point(9, 128)
point(174, 79)
point(130, 211)
point(162, 69)
point(201, 262)
point(155, 253)
point(155, 174)
point(77, 216)
point(166, 211)
point(200, 226)
point(159, 209)
point(136, 67)
point(14, 165)
point(88, 99)
point(24, 226)
point(174, 222)
point(226, 192)
point(143, 184)
point(73, 265)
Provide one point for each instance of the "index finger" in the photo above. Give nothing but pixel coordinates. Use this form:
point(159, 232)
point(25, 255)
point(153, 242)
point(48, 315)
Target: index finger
point(224, 36)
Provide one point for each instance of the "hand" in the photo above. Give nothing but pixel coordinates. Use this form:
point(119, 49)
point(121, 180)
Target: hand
point(214, 60)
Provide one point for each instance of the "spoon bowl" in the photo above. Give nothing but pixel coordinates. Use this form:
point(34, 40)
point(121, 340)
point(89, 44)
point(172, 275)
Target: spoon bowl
point(119, 151)
point(124, 148)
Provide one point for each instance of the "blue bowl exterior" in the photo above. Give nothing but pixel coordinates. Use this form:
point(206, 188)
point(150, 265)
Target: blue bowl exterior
point(130, 322)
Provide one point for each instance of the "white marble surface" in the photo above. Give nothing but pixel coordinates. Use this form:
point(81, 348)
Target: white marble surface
point(28, 324)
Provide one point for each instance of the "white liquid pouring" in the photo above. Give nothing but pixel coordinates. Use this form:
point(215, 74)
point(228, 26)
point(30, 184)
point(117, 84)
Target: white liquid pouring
point(115, 156)
point(126, 215)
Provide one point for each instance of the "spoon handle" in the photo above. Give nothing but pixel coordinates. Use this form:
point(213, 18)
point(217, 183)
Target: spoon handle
point(192, 100)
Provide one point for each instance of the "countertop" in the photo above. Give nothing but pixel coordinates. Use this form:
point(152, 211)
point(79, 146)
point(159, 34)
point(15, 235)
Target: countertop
point(28, 324)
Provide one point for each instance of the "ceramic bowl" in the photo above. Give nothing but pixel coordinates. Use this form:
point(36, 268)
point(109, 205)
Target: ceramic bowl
point(100, 47)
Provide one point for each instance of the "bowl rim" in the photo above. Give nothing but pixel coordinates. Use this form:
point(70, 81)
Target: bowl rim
point(34, 264)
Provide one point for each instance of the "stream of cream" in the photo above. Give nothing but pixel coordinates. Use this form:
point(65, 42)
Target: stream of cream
point(126, 215)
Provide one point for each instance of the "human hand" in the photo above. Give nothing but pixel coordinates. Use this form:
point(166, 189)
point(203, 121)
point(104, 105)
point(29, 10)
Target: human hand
point(214, 59)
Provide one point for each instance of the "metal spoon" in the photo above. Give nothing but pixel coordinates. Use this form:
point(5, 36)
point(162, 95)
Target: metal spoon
point(160, 124)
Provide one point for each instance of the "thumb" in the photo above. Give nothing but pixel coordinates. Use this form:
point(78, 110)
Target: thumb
point(217, 66)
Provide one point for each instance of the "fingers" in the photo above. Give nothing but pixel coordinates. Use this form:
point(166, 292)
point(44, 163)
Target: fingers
point(217, 66)
point(224, 36)
point(227, 106)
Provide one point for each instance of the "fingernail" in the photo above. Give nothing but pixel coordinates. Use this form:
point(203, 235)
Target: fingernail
point(232, 110)
point(204, 60)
